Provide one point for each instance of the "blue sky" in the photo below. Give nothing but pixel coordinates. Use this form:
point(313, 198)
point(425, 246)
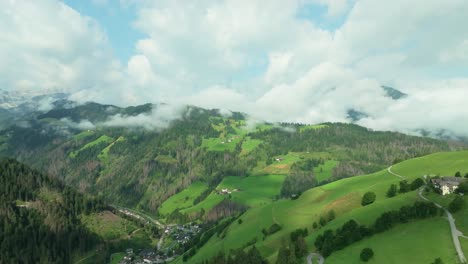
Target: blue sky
point(116, 21)
point(317, 14)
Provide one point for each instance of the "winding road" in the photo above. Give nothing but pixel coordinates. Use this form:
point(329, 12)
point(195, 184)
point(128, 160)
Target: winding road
point(321, 260)
point(453, 228)
point(140, 214)
point(145, 217)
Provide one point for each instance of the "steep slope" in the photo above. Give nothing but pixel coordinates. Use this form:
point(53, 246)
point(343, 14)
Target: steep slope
point(44, 221)
point(40, 218)
point(142, 167)
point(344, 197)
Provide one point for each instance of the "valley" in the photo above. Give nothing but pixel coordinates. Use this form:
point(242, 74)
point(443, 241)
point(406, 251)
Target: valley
point(209, 183)
point(233, 132)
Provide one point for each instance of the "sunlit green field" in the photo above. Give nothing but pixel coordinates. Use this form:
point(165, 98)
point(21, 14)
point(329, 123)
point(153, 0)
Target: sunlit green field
point(416, 242)
point(285, 161)
point(253, 190)
point(324, 171)
point(221, 144)
point(183, 199)
point(105, 152)
point(344, 198)
point(103, 138)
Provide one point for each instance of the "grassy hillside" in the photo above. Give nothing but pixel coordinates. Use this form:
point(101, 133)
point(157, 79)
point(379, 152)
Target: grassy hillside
point(254, 190)
point(102, 139)
point(183, 199)
point(108, 225)
point(415, 242)
point(142, 168)
point(344, 197)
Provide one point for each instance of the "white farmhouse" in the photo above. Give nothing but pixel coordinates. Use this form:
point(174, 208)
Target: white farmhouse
point(447, 185)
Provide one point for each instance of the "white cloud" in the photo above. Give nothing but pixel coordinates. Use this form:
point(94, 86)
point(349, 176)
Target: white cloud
point(47, 45)
point(82, 125)
point(159, 118)
point(277, 67)
point(253, 56)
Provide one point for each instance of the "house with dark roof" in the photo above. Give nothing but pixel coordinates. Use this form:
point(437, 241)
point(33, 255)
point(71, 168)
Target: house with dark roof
point(447, 185)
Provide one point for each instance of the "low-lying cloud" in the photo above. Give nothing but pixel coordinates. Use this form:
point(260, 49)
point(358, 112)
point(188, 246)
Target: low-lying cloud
point(159, 118)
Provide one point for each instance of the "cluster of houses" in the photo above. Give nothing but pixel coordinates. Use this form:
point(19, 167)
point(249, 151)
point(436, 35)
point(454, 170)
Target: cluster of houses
point(145, 256)
point(446, 185)
point(181, 234)
point(229, 140)
point(226, 191)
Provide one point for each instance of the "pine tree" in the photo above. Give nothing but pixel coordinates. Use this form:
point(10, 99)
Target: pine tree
point(392, 191)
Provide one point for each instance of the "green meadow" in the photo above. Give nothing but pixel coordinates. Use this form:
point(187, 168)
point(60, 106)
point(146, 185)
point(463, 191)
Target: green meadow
point(108, 225)
point(209, 202)
point(221, 144)
point(117, 257)
point(303, 128)
point(249, 144)
point(408, 243)
point(105, 152)
point(285, 161)
point(254, 190)
point(83, 134)
point(101, 139)
point(344, 197)
point(324, 172)
point(183, 199)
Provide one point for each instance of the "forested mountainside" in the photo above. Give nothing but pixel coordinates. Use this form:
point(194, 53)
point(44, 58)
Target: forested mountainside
point(141, 167)
point(44, 221)
point(39, 217)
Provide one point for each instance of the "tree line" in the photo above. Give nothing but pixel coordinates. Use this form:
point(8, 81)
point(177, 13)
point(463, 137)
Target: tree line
point(41, 230)
point(351, 232)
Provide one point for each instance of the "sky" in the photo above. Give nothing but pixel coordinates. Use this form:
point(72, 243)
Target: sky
point(307, 61)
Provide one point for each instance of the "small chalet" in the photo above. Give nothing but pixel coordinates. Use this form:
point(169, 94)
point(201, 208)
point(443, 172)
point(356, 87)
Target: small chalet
point(447, 185)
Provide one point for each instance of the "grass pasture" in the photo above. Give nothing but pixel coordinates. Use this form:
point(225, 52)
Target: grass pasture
point(283, 166)
point(105, 152)
point(312, 127)
point(117, 257)
point(406, 243)
point(250, 144)
point(101, 139)
point(221, 144)
point(344, 197)
point(183, 199)
point(324, 172)
point(83, 134)
point(209, 202)
point(108, 225)
point(253, 190)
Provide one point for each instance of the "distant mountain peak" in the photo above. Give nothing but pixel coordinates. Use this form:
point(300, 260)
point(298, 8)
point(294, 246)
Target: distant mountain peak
point(393, 93)
point(355, 115)
point(30, 99)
